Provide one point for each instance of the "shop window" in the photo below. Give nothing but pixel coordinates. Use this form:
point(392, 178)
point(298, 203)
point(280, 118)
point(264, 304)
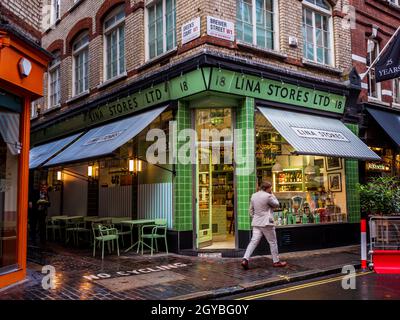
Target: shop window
point(256, 22)
point(396, 90)
point(161, 27)
point(310, 189)
point(317, 31)
point(80, 52)
point(374, 88)
point(54, 82)
point(114, 35)
point(9, 156)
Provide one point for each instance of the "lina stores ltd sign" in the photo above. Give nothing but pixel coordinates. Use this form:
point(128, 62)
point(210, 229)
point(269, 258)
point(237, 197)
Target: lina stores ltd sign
point(278, 91)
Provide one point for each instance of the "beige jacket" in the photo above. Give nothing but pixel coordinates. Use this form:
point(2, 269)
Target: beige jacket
point(261, 208)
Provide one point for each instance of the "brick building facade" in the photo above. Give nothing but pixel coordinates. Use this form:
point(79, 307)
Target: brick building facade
point(376, 22)
point(248, 56)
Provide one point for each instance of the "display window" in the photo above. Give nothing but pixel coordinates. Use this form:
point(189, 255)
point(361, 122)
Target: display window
point(9, 161)
point(310, 189)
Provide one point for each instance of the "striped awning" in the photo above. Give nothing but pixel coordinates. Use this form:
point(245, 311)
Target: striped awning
point(9, 130)
point(316, 135)
point(104, 140)
point(41, 154)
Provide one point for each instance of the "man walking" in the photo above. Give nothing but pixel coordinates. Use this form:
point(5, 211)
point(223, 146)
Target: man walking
point(261, 211)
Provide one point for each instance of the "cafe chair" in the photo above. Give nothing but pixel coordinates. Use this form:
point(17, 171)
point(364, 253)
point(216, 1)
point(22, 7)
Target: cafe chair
point(127, 231)
point(103, 234)
point(158, 231)
point(54, 225)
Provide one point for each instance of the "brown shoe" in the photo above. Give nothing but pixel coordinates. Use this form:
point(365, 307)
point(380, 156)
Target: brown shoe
point(245, 264)
point(280, 264)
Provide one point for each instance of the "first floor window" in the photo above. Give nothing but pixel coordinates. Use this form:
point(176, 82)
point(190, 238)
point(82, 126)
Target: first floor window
point(114, 32)
point(317, 32)
point(54, 82)
point(396, 90)
point(81, 61)
point(256, 22)
point(161, 27)
point(373, 86)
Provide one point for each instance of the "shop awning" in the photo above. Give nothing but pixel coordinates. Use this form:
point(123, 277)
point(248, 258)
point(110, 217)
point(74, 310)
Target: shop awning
point(316, 135)
point(106, 139)
point(390, 122)
point(40, 154)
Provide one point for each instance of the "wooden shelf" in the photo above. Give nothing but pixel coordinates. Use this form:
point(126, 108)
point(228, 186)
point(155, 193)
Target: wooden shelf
point(288, 183)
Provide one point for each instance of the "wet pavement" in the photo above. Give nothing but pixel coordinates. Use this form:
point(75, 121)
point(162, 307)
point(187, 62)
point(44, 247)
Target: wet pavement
point(367, 286)
point(79, 276)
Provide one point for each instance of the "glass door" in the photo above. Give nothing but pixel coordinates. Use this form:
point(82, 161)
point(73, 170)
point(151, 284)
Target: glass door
point(204, 198)
point(214, 179)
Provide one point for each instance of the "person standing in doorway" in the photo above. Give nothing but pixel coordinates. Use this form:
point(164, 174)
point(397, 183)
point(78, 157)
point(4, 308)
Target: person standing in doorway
point(262, 204)
point(42, 204)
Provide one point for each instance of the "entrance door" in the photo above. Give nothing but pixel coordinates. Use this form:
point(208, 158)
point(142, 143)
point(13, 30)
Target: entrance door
point(214, 179)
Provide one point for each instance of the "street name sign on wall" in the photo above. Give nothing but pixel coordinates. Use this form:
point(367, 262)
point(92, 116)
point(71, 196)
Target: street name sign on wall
point(271, 90)
point(191, 30)
point(220, 28)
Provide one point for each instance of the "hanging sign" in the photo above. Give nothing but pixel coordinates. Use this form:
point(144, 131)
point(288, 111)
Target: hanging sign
point(220, 28)
point(191, 30)
point(388, 66)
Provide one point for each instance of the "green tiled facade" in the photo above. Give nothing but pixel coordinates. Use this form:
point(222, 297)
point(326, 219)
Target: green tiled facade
point(352, 178)
point(245, 183)
point(183, 185)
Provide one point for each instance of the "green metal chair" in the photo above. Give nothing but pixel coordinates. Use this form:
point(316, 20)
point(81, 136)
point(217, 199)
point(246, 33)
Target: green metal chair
point(72, 228)
point(54, 225)
point(103, 234)
point(158, 231)
point(127, 231)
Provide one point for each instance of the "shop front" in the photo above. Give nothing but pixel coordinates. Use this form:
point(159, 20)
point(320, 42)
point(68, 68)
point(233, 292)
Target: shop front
point(205, 139)
point(381, 135)
point(22, 64)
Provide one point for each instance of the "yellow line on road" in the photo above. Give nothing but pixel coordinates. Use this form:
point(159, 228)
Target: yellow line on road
point(298, 287)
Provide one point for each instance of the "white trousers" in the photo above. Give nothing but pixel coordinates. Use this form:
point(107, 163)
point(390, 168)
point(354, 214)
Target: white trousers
point(270, 235)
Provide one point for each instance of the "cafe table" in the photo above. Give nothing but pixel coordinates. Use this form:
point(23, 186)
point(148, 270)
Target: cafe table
point(138, 224)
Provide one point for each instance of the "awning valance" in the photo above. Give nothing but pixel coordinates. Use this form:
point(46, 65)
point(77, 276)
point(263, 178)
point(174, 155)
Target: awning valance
point(40, 154)
point(316, 135)
point(389, 122)
point(104, 140)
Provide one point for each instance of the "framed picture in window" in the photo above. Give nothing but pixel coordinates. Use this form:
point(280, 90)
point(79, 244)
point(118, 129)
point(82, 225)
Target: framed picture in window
point(335, 182)
point(333, 163)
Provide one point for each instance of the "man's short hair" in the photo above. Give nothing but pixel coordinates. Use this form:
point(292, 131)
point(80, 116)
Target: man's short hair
point(265, 185)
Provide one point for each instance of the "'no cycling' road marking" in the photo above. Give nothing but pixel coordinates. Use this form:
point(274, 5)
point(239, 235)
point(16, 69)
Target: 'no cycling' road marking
point(298, 287)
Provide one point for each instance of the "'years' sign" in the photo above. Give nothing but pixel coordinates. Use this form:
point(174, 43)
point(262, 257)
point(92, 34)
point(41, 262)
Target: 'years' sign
point(220, 29)
point(191, 30)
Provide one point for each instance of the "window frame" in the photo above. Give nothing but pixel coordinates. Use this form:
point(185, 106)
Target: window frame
point(55, 11)
point(54, 66)
point(323, 12)
point(76, 52)
point(396, 91)
point(115, 26)
point(275, 24)
point(151, 5)
point(369, 61)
